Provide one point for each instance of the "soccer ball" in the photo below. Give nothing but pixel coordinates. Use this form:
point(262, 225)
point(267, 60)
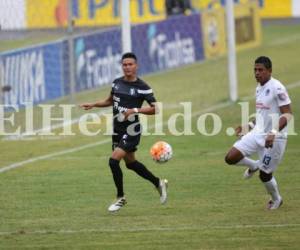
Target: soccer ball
point(161, 152)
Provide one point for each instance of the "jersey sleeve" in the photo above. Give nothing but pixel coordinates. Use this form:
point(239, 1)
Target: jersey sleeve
point(147, 93)
point(112, 88)
point(150, 98)
point(281, 95)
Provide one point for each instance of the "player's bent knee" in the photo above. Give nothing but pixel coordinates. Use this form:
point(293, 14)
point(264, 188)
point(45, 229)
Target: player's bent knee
point(229, 160)
point(264, 177)
point(233, 156)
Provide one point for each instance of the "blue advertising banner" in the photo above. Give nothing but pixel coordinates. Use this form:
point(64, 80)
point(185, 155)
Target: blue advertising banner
point(168, 44)
point(42, 73)
point(97, 59)
point(33, 75)
point(163, 45)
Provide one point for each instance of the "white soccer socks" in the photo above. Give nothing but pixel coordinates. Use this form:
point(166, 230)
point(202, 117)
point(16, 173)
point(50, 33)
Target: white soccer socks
point(252, 164)
point(272, 189)
point(162, 190)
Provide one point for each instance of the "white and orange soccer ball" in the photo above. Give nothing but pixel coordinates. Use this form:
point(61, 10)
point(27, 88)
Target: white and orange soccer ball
point(161, 152)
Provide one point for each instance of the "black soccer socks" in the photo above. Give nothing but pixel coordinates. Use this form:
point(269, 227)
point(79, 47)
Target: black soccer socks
point(142, 171)
point(117, 176)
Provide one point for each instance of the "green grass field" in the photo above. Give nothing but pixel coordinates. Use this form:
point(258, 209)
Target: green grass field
point(61, 202)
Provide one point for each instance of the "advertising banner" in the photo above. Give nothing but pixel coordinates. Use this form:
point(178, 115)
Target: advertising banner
point(97, 59)
point(158, 46)
point(213, 26)
point(42, 72)
point(247, 29)
point(54, 13)
point(167, 44)
point(267, 8)
point(247, 26)
point(33, 75)
point(276, 8)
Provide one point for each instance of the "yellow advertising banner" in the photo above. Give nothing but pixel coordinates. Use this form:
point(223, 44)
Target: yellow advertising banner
point(268, 8)
point(247, 29)
point(247, 25)
point(54, 13)
point(213, 30)
point(276, 8)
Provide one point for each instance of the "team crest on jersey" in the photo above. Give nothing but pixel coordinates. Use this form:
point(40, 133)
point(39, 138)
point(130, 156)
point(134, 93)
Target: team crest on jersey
point(132, 91)
point(267, 92)
point(282, 96)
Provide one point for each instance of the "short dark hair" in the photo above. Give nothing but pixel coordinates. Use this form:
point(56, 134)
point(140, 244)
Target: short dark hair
point(266, 61)
point(129, 55)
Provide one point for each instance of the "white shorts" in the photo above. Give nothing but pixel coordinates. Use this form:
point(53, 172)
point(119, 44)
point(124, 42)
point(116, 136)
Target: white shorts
point(269, 157)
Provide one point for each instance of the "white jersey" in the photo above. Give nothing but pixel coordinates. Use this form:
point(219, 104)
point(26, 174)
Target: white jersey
point(269, 98)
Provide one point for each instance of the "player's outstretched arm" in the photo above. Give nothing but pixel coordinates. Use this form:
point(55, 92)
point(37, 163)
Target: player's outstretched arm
point(100, 104)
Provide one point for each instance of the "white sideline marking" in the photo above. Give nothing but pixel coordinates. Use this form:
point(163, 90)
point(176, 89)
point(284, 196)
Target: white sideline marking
point(76, 149)
point(44, 157)
point(143, 229)
point(23, 136)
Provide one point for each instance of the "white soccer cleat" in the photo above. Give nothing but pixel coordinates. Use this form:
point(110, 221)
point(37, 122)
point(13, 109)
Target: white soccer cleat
point(272, 205)
point(162, 190)
point(249, 173)
point(116, 206)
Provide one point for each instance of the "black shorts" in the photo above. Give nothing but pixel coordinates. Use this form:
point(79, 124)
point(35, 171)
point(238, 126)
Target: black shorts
point(126, 142)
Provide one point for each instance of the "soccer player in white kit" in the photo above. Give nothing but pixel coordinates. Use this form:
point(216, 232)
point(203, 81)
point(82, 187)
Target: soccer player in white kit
point(268, 132)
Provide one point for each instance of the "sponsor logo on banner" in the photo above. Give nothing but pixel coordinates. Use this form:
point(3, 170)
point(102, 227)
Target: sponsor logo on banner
point(168, 44)
point(93, 69)
point(24, 73)
point(167, 53)
point(54, 13)
point(32, 75)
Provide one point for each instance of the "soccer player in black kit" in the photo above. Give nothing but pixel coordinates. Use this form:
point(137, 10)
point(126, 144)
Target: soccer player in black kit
point(127, 96)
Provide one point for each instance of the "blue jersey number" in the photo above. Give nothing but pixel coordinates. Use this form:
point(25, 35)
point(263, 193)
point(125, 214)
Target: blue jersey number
point(266, 160)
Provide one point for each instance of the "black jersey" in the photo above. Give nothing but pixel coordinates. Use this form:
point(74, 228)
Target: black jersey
point(128, 95)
